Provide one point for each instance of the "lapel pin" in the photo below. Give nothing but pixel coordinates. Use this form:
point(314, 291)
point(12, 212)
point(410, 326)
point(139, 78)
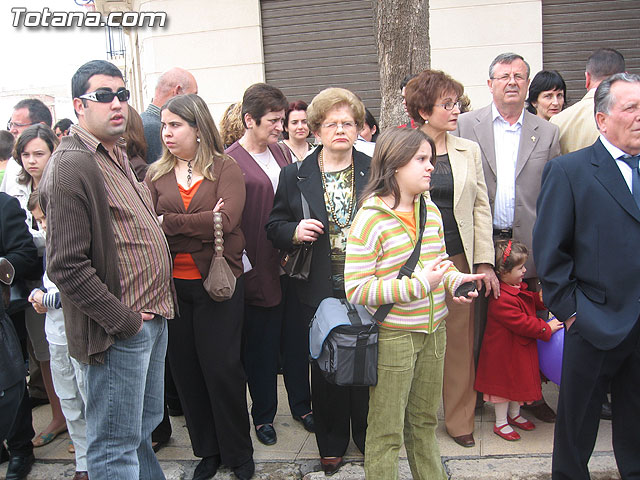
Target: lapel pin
point(533, 139)
point(361, 173)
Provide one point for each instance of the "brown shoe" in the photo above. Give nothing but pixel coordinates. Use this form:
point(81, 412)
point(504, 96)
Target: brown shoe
point(541, 411)
point(330, 465)
point(466, 441)
point(81, 476)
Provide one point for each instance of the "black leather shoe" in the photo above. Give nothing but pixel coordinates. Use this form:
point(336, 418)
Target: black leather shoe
point(541, 411)
point(248, 468)
point(331, 465)
point(307, 422)
point(606, 414)
point(20, 466)
point(207, 468)
point(466, 441)
point(267, 434)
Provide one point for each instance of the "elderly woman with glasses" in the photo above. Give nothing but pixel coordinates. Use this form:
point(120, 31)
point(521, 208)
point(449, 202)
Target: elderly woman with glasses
point(331, 179)
point(458, 189)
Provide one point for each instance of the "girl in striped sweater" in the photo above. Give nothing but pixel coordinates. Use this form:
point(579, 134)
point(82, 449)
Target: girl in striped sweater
point(412, 337)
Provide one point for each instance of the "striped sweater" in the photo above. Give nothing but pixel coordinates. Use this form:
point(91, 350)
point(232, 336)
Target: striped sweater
point(379, 244)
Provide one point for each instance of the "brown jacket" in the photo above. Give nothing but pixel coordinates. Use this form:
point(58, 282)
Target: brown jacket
point(191, 231)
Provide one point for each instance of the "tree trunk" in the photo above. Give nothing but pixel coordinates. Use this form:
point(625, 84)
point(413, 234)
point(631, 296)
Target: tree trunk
point(401, 28)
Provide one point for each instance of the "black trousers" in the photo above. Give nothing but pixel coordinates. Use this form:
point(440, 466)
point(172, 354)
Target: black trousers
point(337, 411)
point(21, 433)
point(267, 332)
point(586, 374)
point(204, 352)
point(10, 400)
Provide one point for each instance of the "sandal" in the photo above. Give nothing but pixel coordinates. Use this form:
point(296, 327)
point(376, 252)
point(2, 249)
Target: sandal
point(46, 438)
point(526, 425)
point(71, 448)
point(511, 436)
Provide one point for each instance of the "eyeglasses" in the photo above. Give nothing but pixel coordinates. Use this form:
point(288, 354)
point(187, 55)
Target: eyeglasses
point(448, 105)
point(11, 125)
point(505, 78)
point(107, 96)
point(343, 125)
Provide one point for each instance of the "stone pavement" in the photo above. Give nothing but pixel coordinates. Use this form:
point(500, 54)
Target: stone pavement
point(295, 456)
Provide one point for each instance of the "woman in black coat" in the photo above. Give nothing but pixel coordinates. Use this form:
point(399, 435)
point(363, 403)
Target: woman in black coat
point(330, 179)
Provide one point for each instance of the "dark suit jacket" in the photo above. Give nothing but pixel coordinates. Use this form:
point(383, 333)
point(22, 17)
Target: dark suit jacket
point(585, 245)
point(287, 213)
point(262, 282)
point(538, 145)
point(16, 243)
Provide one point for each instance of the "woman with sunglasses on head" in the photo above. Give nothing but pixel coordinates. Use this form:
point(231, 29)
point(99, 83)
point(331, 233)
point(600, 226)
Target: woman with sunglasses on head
point(458, 189)
point(331, 180)
point(193, 180)
point(394, 217)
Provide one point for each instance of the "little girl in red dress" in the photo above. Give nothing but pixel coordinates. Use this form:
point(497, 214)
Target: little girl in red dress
point(508, 372)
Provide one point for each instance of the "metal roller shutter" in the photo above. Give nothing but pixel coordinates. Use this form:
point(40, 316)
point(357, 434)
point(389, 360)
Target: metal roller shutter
point(573, 29)
point(312, 45)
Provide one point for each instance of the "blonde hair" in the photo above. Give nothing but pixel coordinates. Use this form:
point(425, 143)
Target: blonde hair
point(330, 98)
point(193, 110)
point(231, 126)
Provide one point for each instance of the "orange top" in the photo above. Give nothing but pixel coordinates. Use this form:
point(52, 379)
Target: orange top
point(184, 267)
point(409, 220)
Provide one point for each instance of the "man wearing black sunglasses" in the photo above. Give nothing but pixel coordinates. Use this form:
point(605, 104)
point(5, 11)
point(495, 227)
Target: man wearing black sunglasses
point(110, 260)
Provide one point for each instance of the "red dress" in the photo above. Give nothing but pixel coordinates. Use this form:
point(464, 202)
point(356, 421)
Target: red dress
point(508, 364)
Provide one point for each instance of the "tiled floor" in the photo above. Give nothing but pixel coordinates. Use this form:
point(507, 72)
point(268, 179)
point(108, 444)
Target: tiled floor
point(294, 443)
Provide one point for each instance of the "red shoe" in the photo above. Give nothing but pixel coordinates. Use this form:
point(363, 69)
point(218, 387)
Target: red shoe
point(523, 425)
point(511, 436)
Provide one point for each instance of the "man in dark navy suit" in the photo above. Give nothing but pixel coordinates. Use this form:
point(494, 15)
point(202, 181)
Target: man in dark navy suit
point(586, 245)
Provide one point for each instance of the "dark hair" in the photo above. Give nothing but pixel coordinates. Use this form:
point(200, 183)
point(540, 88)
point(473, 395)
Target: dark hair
point(134, 135)
point(423, 92)
point(63, 125)
point(518, 254)
point(297, 105)
point(31, 133)
point(543, 81)
point(407, 79)
point(605, 62)
point(394, 149)
point(260, 99)
point(603, 99)
point(370, 120)
point(507, 59)
point(6, 144)
point(38, 111)
point(80, 79)
point(34, 201)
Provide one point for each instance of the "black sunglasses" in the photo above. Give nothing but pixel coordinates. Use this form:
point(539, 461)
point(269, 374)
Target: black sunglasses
point(107, 96)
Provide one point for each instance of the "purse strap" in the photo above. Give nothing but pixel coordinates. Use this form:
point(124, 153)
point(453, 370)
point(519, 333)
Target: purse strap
point(218, 240)
point(407, 269)
point(305, 204)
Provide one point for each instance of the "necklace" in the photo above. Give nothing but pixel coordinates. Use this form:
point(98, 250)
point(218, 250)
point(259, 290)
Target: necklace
point(189, 174)
point(329, 199)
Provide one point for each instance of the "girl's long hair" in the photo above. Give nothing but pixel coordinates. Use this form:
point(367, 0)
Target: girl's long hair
point(394, 149)
point(193, 110)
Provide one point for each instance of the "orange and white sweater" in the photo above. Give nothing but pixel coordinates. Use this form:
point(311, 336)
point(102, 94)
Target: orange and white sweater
point(379, 244)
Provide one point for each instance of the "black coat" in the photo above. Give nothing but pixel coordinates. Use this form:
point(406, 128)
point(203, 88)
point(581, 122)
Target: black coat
point(16, 245)
point(287, 213)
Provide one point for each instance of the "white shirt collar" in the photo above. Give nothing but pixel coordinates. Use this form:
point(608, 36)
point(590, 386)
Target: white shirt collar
point(614, 151)
point(496, 114)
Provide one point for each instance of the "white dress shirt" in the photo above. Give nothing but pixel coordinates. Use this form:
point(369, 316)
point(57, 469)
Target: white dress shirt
point(506, 143)
point(624, 167)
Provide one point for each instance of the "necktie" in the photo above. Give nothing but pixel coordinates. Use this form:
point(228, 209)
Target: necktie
point(635, 176)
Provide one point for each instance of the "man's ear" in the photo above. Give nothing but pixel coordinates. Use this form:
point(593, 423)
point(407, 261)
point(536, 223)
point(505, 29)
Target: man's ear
point(78, 106)
point(587, 80)
point(601, 122)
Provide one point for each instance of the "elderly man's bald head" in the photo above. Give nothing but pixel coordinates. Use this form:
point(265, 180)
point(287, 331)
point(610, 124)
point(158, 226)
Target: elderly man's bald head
point(176, 81)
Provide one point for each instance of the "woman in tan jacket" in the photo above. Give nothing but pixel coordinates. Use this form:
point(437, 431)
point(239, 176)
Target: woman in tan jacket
point(458, 189)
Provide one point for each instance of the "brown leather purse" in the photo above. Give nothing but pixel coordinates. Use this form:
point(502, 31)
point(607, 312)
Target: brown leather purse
point(220, 282)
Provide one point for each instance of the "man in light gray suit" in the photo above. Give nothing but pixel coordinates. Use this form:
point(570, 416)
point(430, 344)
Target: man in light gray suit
point(515, 145)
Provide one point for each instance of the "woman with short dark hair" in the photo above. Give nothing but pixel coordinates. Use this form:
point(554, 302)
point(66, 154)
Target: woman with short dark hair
point(295, 130)
point(547, 94)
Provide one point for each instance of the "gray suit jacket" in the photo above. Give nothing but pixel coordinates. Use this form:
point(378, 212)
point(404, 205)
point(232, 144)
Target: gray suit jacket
point(538, 145)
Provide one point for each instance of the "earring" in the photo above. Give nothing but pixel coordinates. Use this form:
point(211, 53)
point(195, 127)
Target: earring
point(198, 139)
point(426, 121)
point(396, 170)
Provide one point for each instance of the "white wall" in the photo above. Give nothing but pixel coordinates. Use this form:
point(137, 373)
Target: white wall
point(219, 42)
point(466, 35)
